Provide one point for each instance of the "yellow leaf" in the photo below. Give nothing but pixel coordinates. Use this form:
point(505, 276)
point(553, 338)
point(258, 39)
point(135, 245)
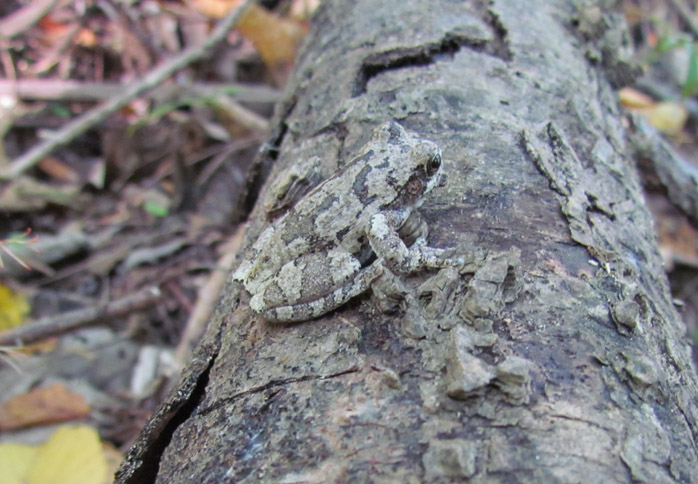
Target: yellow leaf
point(15, 461)
point(73, 455)
point(13, 308)
point(667, 117)
point(113, 457)
point(275, 39)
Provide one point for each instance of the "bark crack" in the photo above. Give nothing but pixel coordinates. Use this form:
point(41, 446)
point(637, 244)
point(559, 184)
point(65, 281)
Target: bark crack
point(260, 169)
point(580, 420)
point(287, 381)
point(150, 459)
point(423, 55)
point(499, 45)
point(279, 383)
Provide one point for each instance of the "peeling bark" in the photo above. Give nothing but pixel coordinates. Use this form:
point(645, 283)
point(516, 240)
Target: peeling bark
point(555, 355)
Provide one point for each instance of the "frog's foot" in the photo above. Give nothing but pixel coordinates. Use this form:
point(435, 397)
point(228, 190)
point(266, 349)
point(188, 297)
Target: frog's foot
point(389, 292)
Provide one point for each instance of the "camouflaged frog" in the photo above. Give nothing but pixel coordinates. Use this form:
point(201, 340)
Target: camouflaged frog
point(344, 233)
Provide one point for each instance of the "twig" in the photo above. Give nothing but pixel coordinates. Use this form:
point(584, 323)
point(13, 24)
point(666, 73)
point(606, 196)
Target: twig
point(78, 126)
point(246, 117)
point(66, 90)
point(686, 16)
point(23, 18)
point(679, 177)
point(206, 300)
point(56, 52)
point(53, 325)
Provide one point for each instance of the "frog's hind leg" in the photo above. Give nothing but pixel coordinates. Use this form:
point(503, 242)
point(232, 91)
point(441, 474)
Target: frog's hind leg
point(312, 309)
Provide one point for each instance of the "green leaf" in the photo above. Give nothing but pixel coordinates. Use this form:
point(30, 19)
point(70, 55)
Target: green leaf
point(668, 42)
point(60, 110)
point(164, 109)
point(155, 209)
point(691, 84)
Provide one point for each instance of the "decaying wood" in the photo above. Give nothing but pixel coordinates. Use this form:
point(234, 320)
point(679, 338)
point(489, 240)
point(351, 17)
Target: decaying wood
point(554, 356)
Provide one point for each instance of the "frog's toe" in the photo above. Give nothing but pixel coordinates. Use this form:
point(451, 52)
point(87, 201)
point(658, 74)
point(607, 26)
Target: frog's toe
point(257, 303)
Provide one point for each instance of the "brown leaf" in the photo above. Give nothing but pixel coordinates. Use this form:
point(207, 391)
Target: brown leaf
point(275, 39)
point(42, 405)
point(58, 170)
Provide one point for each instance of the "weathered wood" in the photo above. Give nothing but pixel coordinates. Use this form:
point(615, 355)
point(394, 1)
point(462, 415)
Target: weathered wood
point(556, 356)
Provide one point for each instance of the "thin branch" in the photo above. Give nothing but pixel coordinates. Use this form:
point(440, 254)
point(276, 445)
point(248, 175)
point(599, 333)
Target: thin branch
point(678, 177)
point(206, 300)
point(68, 90)
point(23, 18)
point(54, 325)
point(78, 126)
point(686, 15)
point(246, 117)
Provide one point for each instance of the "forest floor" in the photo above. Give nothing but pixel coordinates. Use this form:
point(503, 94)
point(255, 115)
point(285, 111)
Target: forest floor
point(128, 129)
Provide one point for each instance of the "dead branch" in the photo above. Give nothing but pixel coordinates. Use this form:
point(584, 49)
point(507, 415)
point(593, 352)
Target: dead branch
point(23, 18)
point(62, 323)
point(68, 90)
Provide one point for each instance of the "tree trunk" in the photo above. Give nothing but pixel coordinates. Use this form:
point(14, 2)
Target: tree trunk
point(554, 355)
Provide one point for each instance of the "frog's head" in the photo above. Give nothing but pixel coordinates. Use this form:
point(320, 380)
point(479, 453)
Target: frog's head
point(424, 159)
point(408, 163)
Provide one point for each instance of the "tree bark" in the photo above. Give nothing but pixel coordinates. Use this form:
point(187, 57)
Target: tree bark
point(556, 355)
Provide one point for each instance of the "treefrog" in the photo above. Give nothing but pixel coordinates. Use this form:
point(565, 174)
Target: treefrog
point(343, 234)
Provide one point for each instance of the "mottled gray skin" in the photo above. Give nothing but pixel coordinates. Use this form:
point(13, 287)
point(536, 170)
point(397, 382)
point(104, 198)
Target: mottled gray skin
point(340, 237)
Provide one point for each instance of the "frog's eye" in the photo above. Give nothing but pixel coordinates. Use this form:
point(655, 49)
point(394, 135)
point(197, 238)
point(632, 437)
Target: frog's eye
point(434, 165)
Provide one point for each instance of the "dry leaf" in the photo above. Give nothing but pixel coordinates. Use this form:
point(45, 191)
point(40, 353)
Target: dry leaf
point(86, 38)
point(57, 169)
point(14, 308)
point(214, 8)
point(26, 194)
point(275, 39)
point(42, 405)
point(15, 462)
point(113, 458)
point(677, 241)
point(40, 347)
point(302, 10)
point(73, 455)
point(634, 99)
point(667, 117)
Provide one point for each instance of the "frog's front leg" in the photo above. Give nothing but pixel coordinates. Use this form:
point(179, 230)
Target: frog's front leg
point(386, 243)
point(312, 285)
